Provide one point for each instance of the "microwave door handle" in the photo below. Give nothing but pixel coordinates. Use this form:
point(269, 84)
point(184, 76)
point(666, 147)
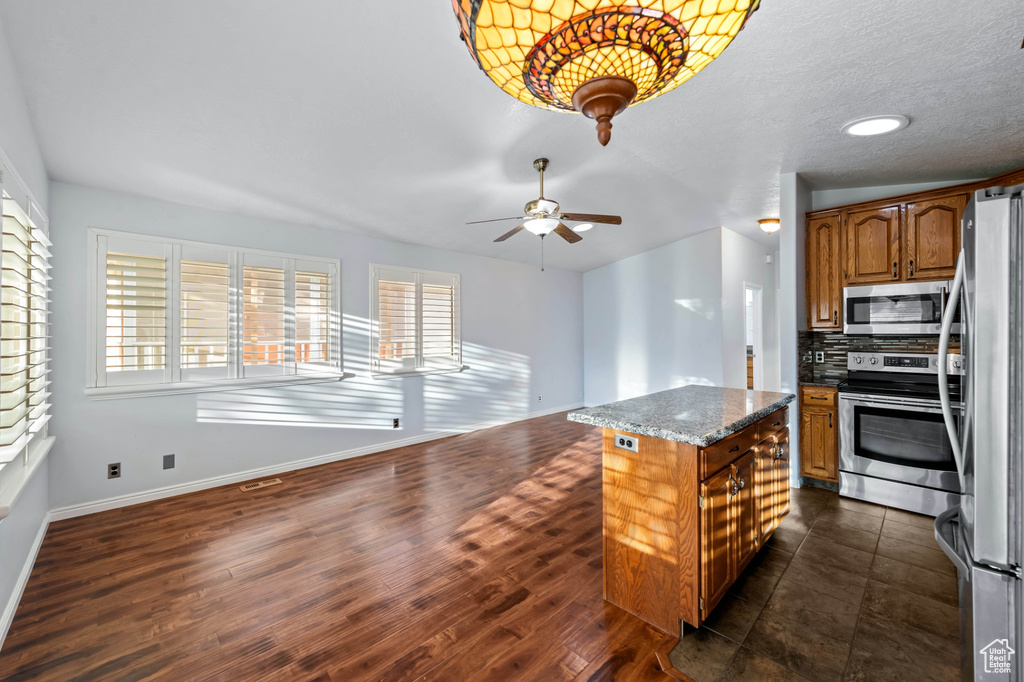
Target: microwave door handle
point(942, 303)
point(947, 327)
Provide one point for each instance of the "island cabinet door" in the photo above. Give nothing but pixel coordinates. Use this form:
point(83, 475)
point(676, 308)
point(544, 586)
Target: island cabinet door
point(744, 502)
point(717, 555)
point(766, 488)
point(781, 468)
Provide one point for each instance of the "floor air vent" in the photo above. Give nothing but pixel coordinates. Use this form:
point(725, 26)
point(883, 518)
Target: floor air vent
point(262, 484)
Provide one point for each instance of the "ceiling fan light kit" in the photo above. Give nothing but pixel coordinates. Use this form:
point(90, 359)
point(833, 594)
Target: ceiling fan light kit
point(543, 217)
point(596, 57)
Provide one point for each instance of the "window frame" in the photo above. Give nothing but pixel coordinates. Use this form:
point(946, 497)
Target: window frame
point(418, 277)
point(174, 379)
point(16, 474)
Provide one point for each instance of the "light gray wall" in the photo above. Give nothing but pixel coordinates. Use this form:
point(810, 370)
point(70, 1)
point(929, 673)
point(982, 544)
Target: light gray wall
point(654, 321)
point(743, 261)
point(674, 316)
point(829, 198)
point(18, 531)
point(522, 334)
point(794, 202)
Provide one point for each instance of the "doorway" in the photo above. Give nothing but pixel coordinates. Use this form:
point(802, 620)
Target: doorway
point(754, 336)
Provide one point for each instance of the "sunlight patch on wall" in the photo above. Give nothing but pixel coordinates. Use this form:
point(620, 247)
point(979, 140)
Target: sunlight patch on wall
point(705, 309)
point(356, 403)
point(495, 388)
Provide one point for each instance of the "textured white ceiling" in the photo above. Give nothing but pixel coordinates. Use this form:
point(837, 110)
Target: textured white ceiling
point(371, 117)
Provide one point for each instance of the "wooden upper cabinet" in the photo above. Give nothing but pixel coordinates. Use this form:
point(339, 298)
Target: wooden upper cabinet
point(872, 246)
point(824, 282)
point(932, 237)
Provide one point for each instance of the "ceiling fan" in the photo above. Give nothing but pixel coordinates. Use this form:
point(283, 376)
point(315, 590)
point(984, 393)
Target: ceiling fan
point(543, 217)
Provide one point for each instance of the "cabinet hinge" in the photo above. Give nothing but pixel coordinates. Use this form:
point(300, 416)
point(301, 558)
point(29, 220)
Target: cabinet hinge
point(700, 503)
point(702, 603)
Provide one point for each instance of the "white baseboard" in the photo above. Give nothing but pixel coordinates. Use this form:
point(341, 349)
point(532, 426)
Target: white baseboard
point(181, 489)
point(19, 587)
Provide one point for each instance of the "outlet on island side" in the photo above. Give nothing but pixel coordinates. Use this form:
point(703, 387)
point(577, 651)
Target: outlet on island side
point(819, 356)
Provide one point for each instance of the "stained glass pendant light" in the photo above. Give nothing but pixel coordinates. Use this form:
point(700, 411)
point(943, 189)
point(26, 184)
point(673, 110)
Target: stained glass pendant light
point(596, 57)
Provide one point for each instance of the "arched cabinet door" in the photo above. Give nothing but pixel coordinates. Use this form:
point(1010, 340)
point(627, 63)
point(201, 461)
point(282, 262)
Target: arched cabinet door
point(872, 246)
point(932, 238)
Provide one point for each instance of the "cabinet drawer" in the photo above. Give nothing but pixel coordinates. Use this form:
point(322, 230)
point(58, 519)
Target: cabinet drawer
point(726, 451)
point(812, 396)
point(773, 423)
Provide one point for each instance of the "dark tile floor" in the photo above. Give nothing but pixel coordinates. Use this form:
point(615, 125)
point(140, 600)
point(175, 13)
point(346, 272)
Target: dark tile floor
point(844, 590)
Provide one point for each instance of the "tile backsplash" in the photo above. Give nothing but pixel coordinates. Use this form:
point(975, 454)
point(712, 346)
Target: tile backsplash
point(835, 345)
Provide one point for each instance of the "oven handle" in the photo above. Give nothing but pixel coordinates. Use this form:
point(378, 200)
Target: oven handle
point(947, 327)
point(890, 401)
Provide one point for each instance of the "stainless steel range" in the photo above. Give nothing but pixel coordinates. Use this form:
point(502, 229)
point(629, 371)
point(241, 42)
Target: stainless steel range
point(893, 445)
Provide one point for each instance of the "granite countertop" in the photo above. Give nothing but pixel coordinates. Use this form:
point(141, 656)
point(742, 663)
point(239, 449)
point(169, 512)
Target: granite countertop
point(698, 415)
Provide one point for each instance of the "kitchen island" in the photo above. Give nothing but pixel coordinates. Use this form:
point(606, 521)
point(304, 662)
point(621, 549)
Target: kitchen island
point(695, 480)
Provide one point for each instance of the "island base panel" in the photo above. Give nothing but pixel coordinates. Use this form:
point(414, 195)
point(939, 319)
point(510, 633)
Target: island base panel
point(651, 534)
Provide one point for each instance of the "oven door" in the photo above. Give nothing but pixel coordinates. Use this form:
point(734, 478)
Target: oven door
point(897, 439)
point(914, 308)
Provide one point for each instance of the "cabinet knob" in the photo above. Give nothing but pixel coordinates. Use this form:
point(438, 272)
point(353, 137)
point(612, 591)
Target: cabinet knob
point(734, 448)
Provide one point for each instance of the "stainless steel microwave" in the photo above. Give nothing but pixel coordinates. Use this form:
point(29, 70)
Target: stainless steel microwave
point(911, 308)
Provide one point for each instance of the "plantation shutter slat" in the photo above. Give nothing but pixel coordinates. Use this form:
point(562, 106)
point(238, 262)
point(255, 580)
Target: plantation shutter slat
point(136, 310)
point(24, 331)
point(397, 320)
point(205, 314)
point(312, 316)
point(438, 321)
point(263, 323)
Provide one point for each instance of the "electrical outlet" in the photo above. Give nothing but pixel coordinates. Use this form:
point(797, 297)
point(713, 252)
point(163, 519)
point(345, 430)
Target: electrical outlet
point(540, 398)
point(168, 461)
point(819, 356)
point(394, 423)
point(627, 442)
point(114, 470)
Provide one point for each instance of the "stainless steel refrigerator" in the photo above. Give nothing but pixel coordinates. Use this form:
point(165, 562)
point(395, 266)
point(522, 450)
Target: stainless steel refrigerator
point(982, 535)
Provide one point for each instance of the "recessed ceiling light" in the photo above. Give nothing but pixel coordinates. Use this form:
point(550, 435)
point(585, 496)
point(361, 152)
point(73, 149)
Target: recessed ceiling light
point(769, 225)
point(876, 125)
point(583, 227)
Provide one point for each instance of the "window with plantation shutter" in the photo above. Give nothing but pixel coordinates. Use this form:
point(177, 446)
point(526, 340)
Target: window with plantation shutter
point(312, 317)
point(136, 307)
point(175, 316)
point(24, 332)
point(205, 314)
point(415, 327)
point(264, 317)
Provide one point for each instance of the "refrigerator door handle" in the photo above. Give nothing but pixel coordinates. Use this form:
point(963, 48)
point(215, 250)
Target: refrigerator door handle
point(946, 533)
point(947, 326)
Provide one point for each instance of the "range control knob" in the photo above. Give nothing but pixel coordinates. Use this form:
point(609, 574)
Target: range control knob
point(858, 359)
point(873, 361)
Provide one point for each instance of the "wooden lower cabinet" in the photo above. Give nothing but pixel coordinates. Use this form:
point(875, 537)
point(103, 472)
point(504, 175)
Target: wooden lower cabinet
point(717, 539)
point(682, 522)
point(819, 433)
point(747, 517)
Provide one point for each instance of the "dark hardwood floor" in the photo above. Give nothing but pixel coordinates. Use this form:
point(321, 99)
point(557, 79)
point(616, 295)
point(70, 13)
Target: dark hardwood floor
point(473, 557)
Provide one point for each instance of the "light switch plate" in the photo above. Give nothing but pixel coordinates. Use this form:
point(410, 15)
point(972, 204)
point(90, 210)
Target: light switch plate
point(627, 442)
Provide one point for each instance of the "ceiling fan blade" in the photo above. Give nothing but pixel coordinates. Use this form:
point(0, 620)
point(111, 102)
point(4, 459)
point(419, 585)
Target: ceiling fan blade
point(568, 235)
point(496, 220)
point(592, 218)
point(509, 233)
